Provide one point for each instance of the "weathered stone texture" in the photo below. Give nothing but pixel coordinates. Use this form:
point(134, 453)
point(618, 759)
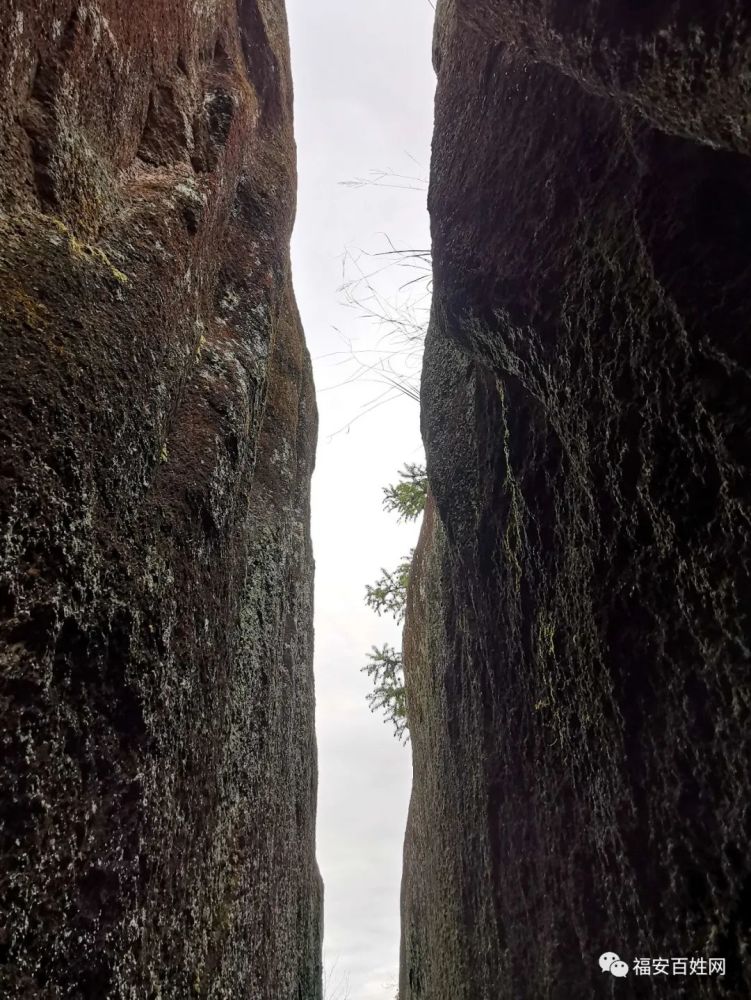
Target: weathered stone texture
point(577, 640)
point(158, 763)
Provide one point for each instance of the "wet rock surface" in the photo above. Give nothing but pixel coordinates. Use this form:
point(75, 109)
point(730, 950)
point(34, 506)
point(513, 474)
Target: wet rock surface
point(158, 765)
point(577, 639)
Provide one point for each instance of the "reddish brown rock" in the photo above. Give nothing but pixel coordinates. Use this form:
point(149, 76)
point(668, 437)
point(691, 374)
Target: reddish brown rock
point(158, 765)
point(577, 642)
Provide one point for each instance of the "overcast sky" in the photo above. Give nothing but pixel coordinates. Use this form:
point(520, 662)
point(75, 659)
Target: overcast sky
point(364, 102)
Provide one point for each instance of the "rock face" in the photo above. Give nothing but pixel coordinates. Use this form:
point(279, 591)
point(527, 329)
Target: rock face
point(577, 639)
point(158, 431)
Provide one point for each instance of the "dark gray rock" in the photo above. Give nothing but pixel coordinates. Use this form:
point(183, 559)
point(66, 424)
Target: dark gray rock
point(158, 766)
point(577, 640)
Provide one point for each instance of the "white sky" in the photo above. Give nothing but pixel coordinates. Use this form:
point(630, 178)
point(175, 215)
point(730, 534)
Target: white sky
point(364, 102)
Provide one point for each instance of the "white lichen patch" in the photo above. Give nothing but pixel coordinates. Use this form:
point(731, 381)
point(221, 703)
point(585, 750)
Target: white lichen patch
point(17, 46)
point(283, 455)
point(99, 24)
point(188, 189)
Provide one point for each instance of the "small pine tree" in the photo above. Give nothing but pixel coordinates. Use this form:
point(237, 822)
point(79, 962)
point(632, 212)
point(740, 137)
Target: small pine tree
point(407, 497)
point(388, 595)
point(388, 695)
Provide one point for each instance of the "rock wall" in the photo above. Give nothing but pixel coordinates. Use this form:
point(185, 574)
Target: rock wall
point(158, 763)
point(577, 638)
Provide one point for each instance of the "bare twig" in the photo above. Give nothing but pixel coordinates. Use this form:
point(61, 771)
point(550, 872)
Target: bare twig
point(336, 984)
point(398, 318)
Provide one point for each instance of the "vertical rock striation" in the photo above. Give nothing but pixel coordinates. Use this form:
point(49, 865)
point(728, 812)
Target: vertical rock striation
point(158, 763)
point(577, 639)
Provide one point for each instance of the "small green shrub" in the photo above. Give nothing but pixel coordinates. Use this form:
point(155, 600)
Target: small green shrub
point(388, 595)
